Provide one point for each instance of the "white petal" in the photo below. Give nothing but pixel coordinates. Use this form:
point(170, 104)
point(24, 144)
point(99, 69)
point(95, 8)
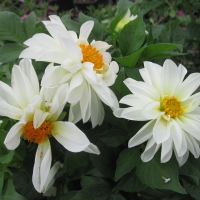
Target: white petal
point(12, 139)
point(151, 74)
point(189, 125)
point(42, 165)
point(170, 77)
point(72, 138)
point(89, 73)
point(50, 80)
point(10, 111)
point(101, 46)
point(133, 113)
point(97, 110)
point(192, 145)
point(86, 29)
point(142, 89)
point(178, 138)
point(142, 135)
point(152, 110)
point(150, 150)
point(76, 88)
point(75, 113)
point(190, 84)
point(161, 130)
point(39, 118)
point(22, 88)
point(166, 152)
point(92, 149)
point(29, 71)
point(50, 179)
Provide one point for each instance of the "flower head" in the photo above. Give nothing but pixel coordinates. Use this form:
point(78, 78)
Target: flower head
point(125, 20)
point(167, 101)
point(86, 67)
point(37, 112)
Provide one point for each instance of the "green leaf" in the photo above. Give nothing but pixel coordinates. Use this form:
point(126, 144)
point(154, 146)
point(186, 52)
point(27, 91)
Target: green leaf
point(29, 25)
point(23, 184)
point(5, 155)
point(172, 34)
point(152, 173)
point(123, 5)
point(130, 60)
point(88, 181)
point(71, 24)
point(93, 193)
point(130, 183)
point(105, 162)
point(11, 194)
point(127, 160)
point(11, 27)
point(113, 137)
point(117, 197)
point(76, 160)
point(132, 36)
point(153, 50)
point(2, 174)
point(10, 52)
point(193, 190)
point(191, 168)
point(134, 74)
point(119, 88)
point(97, 31)
point(152, 5)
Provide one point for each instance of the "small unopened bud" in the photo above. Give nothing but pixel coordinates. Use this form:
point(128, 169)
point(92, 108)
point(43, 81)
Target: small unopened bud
point(125, 20)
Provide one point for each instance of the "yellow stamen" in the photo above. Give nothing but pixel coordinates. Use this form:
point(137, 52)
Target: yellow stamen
point(37, 135)
point(172, 106)
point(91, 54)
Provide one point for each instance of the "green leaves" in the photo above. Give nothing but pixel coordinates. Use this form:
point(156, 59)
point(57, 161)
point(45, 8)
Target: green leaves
point(127, 160)
point(152, 173)
point(29, 25)
point(132, 36)
point(11, 28)
point(11, 194)
point(10, 52)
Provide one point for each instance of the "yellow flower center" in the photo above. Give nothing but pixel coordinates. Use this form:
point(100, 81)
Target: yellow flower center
point(172, 106)
point(91, 54)
point(37, 135)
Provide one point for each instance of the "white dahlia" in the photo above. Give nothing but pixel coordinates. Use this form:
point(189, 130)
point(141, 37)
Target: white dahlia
point(37, 113)
point(166, 100)
point(86, 67)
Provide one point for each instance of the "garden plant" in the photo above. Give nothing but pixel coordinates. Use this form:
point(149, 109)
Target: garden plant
point(104, 106)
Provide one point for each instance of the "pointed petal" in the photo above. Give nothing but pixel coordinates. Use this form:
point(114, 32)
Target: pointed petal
point(166, 152)
point(150, 150)
point(51, 177)
point(161, 130)
point(92, 149)
point(86, 29)
point(142, 135)
point(72, 138)
point(42, 165)
point(152, 110)
point(39, 118)
point(12, 139)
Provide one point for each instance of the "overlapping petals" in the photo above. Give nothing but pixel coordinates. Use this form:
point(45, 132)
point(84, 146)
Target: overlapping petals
point(85, 74)
point(167, 101)
point(37, 115)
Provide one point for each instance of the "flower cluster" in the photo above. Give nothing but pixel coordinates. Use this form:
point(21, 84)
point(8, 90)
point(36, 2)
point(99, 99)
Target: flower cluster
point(80, 72)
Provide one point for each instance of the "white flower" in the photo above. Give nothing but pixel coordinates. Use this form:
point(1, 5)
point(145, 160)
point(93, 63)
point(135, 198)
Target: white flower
point(168, 103)
point(1, 122)
point(125, 20)
point(37, 114)
point(86, 67)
